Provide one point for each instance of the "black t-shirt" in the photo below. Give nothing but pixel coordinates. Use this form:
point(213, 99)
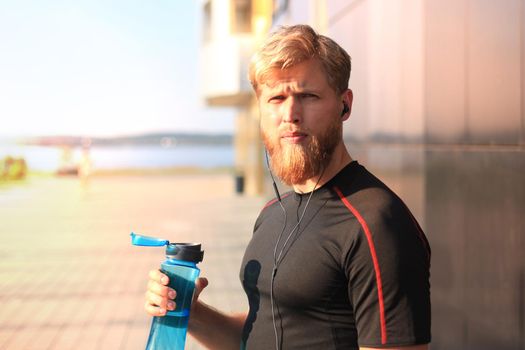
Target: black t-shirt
point(354, 273)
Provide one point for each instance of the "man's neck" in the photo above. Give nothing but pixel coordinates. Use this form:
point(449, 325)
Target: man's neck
point(340, 159)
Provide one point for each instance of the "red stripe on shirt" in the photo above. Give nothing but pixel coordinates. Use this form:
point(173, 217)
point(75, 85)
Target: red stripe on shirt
point(372, 248)
point(275, 200)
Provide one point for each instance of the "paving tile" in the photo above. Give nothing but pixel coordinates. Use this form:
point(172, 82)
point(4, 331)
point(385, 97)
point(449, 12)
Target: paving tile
point(6, 334)
point(80, 284)
point(67, 338)
point(136, 337)
point(90, 337)
point(64, 313)
point(9, 308)
point(41, 338)
point(113, 337)
point(22, 338)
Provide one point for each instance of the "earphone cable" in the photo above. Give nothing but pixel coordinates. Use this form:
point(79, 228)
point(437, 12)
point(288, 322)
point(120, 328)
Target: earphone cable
point(277, 259)
point(274, 270)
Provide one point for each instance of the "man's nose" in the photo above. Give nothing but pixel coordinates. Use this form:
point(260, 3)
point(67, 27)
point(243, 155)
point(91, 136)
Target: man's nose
point(292, 110)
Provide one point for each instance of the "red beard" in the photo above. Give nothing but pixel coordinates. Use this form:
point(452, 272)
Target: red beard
point(296, 163)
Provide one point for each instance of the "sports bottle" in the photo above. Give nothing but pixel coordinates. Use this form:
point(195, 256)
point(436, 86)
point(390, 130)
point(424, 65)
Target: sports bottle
point(169, 332)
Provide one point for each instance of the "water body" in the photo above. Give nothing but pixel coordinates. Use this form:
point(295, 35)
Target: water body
point(41, 158)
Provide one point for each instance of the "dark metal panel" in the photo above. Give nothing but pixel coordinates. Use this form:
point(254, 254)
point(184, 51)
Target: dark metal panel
point(445, 222)
point(475, 220)
point(496, 200)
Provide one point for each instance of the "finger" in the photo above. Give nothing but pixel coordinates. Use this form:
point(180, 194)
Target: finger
point(154, 310)
point(159, 277)
point(200, 284)
point(157, 300)
point(161, 290)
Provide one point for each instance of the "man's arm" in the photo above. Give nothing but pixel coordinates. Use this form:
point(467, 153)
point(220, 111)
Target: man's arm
point(212, 328)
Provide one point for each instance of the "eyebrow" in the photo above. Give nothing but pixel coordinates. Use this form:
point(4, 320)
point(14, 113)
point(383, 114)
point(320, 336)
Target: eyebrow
point(292, 89)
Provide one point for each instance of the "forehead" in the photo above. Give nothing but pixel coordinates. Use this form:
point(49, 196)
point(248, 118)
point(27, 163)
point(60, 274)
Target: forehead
point(305, 75)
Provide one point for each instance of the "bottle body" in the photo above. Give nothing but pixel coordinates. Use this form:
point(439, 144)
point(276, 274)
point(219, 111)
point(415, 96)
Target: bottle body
point(182, 275)
point(169, 332)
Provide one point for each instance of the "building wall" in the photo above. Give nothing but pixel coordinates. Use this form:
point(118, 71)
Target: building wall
point(474, 62)
point(384, 39)
point(475, 171)
point(439, 115)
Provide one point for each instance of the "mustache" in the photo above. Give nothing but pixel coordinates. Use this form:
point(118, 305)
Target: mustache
point(292, 132)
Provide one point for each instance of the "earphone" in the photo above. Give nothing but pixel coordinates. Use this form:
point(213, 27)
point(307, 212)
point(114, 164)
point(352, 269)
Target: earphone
point(346, 109)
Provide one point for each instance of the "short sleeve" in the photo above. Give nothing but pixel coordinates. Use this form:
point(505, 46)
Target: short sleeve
point(387, 265)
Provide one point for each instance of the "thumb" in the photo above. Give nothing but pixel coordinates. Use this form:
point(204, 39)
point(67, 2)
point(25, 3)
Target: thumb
point(200, 284)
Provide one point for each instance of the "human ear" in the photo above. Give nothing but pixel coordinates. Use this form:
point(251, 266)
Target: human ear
point(348, 98)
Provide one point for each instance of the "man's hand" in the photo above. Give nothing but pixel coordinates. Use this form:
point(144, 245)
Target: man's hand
point(160, 298)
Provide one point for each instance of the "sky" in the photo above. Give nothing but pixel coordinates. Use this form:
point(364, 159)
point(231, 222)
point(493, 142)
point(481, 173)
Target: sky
point(102, 68)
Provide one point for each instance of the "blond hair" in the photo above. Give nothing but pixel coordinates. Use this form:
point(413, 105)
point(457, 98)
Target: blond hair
point(290, 45)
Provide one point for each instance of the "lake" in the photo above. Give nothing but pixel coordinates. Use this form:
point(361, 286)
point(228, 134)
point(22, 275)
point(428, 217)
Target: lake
point(41, 158)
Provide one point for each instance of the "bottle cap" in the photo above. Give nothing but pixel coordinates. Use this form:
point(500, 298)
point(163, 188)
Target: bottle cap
point(147, 241)
point(185, 251)
point(181, 251)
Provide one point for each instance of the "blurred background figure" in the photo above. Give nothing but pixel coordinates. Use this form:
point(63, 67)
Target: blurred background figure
point(12, 168)
point(67, 165)
point(84, 168)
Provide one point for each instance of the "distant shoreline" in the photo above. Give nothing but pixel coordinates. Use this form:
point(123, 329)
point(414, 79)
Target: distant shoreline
point(168, 171)
point(156, 139)
point(106, 158)
point(177, 170)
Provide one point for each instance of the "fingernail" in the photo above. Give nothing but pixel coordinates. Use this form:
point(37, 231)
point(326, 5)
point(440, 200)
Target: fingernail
point(164, 280)
point(171, 305)
point(171, 294)
point(162, 311)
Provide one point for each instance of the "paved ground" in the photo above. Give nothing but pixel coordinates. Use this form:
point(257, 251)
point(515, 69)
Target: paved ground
point(69, 278)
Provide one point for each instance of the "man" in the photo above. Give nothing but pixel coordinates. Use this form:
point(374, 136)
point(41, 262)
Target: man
point(337, 263)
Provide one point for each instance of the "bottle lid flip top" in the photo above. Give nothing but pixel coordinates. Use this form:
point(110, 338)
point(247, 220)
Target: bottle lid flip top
point(181, 251)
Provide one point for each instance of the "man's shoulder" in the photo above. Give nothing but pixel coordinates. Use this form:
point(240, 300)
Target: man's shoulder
point(365, 190)
point(275, 201)
point(370, 200)
point(269, 209)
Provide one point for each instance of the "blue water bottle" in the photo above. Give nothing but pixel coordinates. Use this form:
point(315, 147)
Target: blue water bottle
point(169, 332)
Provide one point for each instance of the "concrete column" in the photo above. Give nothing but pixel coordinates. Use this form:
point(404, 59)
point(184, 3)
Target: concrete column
point(249, 162)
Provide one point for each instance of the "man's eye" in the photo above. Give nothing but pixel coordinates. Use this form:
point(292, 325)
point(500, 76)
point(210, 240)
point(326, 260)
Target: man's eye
point(308, 95)
point(276, 99)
